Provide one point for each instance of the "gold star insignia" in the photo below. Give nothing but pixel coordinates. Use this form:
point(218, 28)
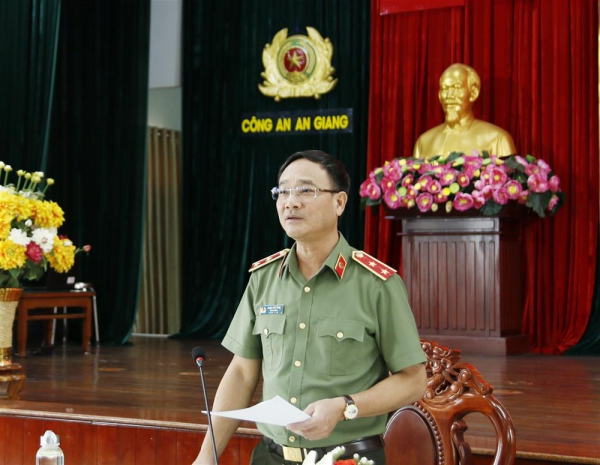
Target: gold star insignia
point(384, 271)
point(371, 263)
point(295, 60)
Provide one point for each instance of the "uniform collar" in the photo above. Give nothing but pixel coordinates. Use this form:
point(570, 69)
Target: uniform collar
point(336, 261)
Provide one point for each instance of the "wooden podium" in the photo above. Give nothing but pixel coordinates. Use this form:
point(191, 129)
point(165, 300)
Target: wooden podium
point(464, 276)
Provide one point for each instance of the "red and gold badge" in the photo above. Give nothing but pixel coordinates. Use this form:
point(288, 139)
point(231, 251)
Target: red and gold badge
point(297, 66)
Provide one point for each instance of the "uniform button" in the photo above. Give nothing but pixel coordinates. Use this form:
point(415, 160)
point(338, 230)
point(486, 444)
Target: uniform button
point(339, 335)
point(293, 400)
point(302, 325)
point(292, 438)
point(307, 289)
point(266, 331)
point(297, 363)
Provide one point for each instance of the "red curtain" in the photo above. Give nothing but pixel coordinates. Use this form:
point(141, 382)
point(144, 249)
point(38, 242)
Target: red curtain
point(538, 61)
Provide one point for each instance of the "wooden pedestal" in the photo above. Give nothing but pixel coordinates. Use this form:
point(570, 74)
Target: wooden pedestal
point(12, 380)
point(464, 276)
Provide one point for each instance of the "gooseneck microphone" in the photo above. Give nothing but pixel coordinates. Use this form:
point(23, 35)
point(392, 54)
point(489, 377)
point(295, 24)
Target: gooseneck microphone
point(199, 356)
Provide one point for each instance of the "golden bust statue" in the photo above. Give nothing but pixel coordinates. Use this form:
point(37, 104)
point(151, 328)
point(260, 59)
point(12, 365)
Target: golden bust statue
point(461, 132)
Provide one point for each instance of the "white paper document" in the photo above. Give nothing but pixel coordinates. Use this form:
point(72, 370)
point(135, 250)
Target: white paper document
point(276, 411)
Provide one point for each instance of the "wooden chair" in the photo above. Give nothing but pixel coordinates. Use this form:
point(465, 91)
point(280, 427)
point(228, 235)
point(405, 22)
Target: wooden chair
point(431, 431)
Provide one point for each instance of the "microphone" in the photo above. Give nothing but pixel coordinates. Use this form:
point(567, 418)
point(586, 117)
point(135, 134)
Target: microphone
point(199, 355)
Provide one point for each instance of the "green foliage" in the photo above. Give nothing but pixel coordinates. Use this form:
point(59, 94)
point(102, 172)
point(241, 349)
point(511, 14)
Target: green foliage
point(561, 201)
point(371, 202)
point(513, 164)
point(491, 208)
point(453, 156)
point(538, 202)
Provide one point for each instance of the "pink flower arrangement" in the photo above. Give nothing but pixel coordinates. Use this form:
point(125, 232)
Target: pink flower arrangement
point(463, 182)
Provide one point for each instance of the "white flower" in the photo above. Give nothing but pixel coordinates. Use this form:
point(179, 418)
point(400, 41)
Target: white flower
point(28, 223)
point(6, 189)
point(332, 456)
point(67, 243)
point(19, 237)
point(27, 194)
point(44, 238)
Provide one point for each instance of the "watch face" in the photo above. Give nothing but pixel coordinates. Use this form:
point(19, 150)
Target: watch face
point(350, 412)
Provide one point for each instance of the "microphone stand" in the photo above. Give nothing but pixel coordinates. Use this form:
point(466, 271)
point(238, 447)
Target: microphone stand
point(200, 362)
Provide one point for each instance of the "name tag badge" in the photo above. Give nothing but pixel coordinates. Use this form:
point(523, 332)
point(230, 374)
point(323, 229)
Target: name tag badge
point(271, 309)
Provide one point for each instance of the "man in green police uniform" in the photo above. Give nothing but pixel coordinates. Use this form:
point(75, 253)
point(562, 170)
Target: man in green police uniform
point(329, 327)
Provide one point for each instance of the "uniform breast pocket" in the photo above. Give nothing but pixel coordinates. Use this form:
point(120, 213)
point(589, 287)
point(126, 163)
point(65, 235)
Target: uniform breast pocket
point(270, 328)
point(340, 343)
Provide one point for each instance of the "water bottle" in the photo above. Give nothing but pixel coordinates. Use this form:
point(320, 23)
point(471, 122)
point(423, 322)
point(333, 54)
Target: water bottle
point(50, 453)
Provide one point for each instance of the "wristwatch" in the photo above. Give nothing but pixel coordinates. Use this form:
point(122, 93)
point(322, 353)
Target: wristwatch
point(351, 410)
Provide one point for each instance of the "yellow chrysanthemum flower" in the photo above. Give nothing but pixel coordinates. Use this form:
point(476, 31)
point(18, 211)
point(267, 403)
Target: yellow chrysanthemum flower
point(4, 228)
point(23, 208)
point(62, 257)
point(11, 255)
point(47, 214)
point(8, 205)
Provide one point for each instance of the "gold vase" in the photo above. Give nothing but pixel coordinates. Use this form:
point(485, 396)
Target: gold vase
point(9, 299)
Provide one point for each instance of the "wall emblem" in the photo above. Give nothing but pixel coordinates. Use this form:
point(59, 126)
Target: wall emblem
point(297, 66)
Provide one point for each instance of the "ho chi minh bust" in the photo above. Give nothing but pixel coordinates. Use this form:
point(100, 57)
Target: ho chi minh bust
point(459, 88)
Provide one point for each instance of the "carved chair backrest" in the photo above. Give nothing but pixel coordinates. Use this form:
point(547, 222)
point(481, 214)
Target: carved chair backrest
point(431, 431)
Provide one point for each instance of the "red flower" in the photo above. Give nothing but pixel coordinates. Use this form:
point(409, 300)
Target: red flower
point(393, 170)
point(448, 176)
point(537, 183)
point(388, 184)
point(408, 179)
point(370, 189)
point(463, 202)
point(501, 196)
point(424, 201)
point(434, 187)
point(392, 199)
point(34, 252)
point(440, 197)
point(463, 179)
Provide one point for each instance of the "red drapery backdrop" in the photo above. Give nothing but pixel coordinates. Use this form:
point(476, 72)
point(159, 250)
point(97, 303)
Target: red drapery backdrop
point(538, 61)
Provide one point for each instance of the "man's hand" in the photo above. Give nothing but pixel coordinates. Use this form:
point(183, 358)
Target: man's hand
point(325, 415)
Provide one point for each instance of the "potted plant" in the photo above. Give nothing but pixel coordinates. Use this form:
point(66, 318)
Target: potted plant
point(29, 243)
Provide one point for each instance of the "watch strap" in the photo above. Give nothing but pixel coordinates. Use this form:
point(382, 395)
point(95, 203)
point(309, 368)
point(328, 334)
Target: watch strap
point(350, 411)
point(349, 400)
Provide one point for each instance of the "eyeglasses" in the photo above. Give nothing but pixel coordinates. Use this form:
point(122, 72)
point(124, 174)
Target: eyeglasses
point(301, 192)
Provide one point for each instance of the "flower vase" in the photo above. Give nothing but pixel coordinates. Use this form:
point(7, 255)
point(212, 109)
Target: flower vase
point(9, 299)
point(11, 374)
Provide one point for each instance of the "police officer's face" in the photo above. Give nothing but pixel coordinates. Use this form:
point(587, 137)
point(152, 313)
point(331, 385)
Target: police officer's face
point(313, 218)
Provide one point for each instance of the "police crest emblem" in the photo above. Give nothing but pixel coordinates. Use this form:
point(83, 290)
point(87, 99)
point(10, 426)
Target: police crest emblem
point(297, 66)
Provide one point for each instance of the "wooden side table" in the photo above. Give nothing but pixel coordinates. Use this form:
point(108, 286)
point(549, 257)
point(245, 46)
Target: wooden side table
point(44, 302)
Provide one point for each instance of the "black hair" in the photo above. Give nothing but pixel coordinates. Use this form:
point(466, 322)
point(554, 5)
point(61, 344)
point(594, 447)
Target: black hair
point(335, 169)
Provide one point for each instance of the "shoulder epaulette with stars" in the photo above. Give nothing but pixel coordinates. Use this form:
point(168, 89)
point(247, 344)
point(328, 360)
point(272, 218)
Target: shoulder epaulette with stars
point(380, 269)
point(271, 258)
